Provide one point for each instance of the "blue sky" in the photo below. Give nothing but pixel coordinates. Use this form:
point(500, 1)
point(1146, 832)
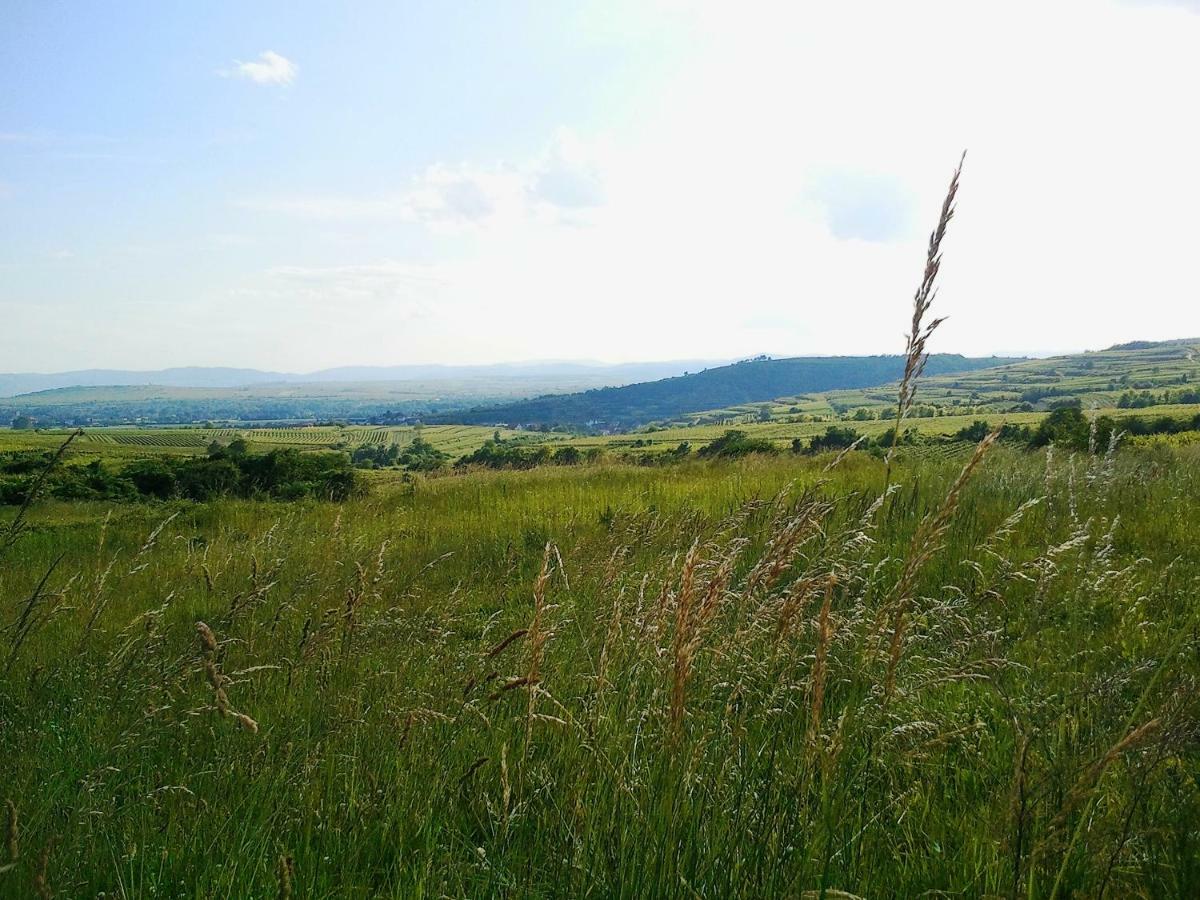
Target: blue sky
point(299, 185)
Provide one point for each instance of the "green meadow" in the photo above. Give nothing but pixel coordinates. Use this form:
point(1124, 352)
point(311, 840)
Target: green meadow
point(772, 676)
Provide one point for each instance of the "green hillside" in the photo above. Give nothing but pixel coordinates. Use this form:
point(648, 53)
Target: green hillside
point(750, 381)
point(1139, 375)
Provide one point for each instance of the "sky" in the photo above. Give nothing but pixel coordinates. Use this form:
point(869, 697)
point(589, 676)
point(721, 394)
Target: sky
point(299, 185)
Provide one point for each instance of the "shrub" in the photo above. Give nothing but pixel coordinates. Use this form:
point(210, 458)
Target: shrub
point(835, 438)
point(736, 443)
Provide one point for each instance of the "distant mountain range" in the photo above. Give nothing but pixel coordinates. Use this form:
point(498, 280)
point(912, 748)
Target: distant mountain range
point(15, 384)
point(749, 381)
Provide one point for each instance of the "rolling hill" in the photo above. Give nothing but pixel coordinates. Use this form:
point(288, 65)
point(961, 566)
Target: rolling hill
point(750, 381)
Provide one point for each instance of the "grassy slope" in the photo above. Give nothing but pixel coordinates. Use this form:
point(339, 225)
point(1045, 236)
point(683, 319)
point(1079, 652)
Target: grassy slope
point(390, 761)
point(1094, 378)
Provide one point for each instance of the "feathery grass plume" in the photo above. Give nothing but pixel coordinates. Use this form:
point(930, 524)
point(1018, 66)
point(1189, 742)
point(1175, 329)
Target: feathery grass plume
point(695, 609)
point(793, 602)
point(925, 543)
point(151, 542)
point(916, 356)
point(218, 680)
point(504, 644)
point(1085, 789)
point(41, 880)
point(208, 640)
point(611, 637)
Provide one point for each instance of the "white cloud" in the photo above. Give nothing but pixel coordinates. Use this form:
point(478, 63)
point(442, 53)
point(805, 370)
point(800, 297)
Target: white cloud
point(270, 68)
point(558, 185)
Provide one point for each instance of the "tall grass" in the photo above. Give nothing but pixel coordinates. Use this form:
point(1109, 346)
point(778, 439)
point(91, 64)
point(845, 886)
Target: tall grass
point(758, 678)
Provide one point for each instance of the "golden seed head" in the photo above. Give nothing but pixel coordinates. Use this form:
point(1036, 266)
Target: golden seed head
point(208, 640)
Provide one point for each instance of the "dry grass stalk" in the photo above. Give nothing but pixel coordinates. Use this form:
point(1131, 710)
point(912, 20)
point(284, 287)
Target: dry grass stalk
point(537, 639)
point(784, 547)
point(681, 639)
point(505, 783)
point(504, 644)
point(846, 451)
point(797, 597)
point(1090, 778)
point(217, 680)
point(41, 880)
point(695, 610)
point(925, 544)
point(287, 873)
point(17, 526)
point(916, 355)
point(820, 665)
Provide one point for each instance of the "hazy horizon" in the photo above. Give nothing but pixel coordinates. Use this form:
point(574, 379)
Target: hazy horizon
point(533, 363)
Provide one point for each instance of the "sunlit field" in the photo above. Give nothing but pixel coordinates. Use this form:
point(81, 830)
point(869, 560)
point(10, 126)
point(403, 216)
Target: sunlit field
point(713, 679)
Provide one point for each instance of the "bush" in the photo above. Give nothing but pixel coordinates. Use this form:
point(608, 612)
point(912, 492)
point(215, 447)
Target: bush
point(736, 443)
point(422, 456)
point(283, 474)
point(835, 438)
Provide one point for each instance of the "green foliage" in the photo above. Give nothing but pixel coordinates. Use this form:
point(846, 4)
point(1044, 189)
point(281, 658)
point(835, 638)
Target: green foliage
point(567, 456)
point(736, 443)
point(835, 438)
point(505, 455)
point(422, 456)
point(374, 456)
point(282, 474)
point(1066, 427)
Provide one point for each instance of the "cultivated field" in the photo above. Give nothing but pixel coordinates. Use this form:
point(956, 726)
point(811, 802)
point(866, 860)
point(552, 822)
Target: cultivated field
point(458, 440)
point(133, 442)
